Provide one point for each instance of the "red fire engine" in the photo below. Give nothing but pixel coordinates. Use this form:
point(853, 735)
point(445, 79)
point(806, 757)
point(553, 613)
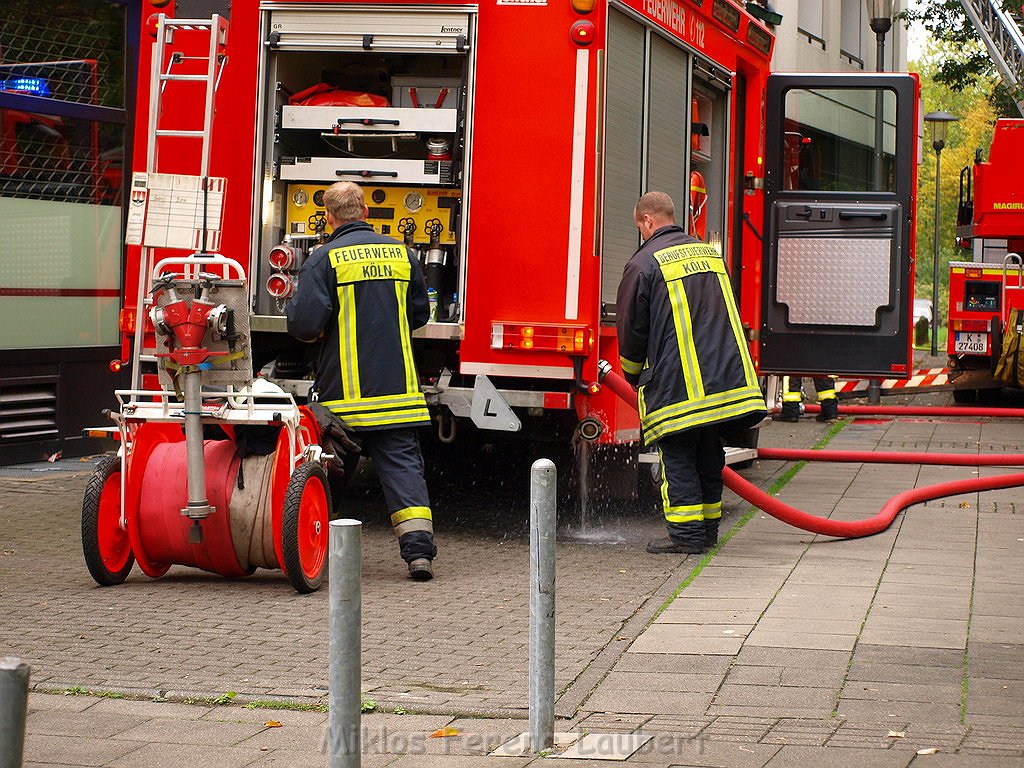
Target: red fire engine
point(506, 142)
point(983, 291)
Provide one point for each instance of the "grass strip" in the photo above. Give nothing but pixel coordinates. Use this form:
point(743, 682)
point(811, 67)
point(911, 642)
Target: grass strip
point(777, 486)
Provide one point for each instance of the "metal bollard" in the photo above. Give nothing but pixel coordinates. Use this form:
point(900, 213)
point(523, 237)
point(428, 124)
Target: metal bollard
point(13, 710)
point(543, 484)
point(344, 675)
point(874, 392)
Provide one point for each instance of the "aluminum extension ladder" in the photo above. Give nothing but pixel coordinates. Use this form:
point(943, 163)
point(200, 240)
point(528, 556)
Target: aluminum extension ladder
point(162, 74)
point(1002, 37)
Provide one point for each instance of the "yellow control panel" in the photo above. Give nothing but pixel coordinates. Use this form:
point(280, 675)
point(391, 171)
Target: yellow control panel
point(390, 210)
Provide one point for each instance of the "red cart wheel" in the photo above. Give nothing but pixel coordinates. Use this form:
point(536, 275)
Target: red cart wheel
point(307, 509)
point(108, 553)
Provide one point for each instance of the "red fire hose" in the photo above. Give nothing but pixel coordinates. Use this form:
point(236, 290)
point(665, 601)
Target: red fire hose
point(917, 410)
point(879, 522)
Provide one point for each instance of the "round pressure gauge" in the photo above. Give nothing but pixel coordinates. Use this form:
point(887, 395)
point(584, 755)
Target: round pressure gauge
point(300, 198)
point(413, 202)
point(318, 198)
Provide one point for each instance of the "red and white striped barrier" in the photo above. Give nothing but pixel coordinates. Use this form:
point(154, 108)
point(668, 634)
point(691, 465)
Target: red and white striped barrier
point(926, 377)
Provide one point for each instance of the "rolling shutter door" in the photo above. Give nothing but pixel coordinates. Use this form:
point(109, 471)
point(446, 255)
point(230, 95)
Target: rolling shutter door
point(623, 164)
point(668, 124)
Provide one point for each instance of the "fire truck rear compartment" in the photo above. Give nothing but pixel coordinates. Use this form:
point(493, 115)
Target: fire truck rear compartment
point(353, 96)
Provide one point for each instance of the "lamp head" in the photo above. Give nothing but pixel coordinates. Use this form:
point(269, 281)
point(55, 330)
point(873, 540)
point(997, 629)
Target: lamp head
point(880, 15)
point(938, 122)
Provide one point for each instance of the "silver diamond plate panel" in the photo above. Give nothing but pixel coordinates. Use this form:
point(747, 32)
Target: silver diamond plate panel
point(833, 280)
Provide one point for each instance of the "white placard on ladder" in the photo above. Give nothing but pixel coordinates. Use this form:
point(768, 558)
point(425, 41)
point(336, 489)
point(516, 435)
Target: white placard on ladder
point(166, 211)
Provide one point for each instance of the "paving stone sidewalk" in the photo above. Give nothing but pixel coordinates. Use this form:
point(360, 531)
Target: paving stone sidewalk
point(784, 649)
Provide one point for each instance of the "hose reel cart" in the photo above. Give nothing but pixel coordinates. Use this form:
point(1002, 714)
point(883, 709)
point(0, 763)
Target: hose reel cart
point(257, 497)
point(214, 471)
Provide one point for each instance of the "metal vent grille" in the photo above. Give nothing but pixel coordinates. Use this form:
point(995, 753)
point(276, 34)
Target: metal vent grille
point(28, 410)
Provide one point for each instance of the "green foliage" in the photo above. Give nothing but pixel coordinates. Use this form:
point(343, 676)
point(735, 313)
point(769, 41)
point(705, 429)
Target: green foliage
point(367, 705)
point(971, 133)
point(77, 690)
point(225, 698)
point(957, 59)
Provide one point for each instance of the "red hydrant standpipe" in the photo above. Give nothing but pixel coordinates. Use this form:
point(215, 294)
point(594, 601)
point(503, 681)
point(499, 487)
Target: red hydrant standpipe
point(872, 525)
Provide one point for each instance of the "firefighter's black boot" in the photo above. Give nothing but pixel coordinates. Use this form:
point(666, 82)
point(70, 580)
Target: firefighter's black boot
point(829, 410)
point(710, 533)
point(669, 546)
point(683, 539)
point(790, 412)
point(419, 551)
point(421, 569)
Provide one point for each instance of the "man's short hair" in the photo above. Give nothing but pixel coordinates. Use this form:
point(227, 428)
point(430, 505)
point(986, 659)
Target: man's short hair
point(345, 201)
point(658, 204)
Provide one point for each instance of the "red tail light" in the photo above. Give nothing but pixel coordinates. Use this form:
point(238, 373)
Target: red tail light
point(572, 339)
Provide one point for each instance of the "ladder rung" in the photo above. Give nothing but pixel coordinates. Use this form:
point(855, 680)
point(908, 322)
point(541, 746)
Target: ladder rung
point(186, 134)
point(194, 78)
point(188, 23)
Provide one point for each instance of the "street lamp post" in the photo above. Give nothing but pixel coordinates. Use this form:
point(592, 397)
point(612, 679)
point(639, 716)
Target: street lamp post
point(938, 122)
point(880, 21)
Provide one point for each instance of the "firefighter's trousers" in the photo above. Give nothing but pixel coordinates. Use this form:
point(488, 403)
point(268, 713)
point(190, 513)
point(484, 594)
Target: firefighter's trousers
point(825, 387)
point(398, 461)
point(691, 485)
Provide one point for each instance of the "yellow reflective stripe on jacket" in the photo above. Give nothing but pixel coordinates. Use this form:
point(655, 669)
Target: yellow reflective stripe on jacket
point(679, 261)
point(737, 329)
point(401, 292)
point(709, 403)
point(348, 352)
point(371, 261)
point(664, 480)
point(630, 366)
point(684, 338)
point(678, 418)
point(712, 511)
point(387, 418)
point(684, 513)
point(422, 513)
point(406, 399)
point(827, 394)
point(382, 411)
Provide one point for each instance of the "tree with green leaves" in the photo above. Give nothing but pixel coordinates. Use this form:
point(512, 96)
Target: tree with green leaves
point(972, 132)
point(965, 62)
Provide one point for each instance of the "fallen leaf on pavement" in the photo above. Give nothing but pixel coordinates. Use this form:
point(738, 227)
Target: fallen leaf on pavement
point(442, 733)
point(273, 724)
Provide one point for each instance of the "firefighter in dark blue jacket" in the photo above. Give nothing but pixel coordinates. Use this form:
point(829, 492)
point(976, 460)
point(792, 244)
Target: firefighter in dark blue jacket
point(359, 295)
point(682, 344)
